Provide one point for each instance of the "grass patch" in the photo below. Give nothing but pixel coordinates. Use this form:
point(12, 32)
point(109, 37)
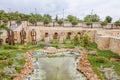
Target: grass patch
point(103, 59)
point(9, 56)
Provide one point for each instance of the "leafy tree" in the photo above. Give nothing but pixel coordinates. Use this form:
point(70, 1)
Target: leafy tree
point(47, 19)
point(117, 23)
point(5, 20)
point(92, 18)
point(76, 40)
point(18, 21)
point(3, 27)
point(108, 19)
point(48, 16)
point(38, 17)
point(85, 40)
point(70, 18)
point(60, 21)
point(74, 21)
point(104, 23)
point(32, 20)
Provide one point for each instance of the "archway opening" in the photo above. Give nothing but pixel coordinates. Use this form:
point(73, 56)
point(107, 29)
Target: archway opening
point(55, 36)
point(68, 35)
point(46, 34)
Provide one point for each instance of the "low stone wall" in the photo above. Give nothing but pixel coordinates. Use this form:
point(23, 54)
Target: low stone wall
point(103, 42)
point(108, 43)
point(114, 45)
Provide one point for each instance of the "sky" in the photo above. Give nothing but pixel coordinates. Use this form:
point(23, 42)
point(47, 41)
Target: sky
point(62, 8)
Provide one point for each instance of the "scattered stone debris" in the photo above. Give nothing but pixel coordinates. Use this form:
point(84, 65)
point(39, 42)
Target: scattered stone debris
point(85, 67)
point(94, 53)
point(109, 73)
point(27, 69)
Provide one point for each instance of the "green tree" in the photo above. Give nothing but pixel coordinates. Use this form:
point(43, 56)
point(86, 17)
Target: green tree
point(19, 20)
point(74, 21)
point(117, 23)
point(47, 19)
point(38, 17)
point(85, 40)
point(92, 18)
point(3, 27)
point(104, 23)
point(60, 21)
point(108, 19)
point(70, 18)
point(32, 20)
point(76, 40)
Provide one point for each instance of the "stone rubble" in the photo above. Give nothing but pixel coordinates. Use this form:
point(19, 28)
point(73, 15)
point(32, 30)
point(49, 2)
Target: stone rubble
point(85, 67)
point(27, 69)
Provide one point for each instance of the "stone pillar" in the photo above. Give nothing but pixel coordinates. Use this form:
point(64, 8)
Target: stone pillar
point(33, 36)
point(23, 36)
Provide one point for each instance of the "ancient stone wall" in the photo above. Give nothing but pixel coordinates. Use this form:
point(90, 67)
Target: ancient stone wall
point(114, 45)
point(108, 40)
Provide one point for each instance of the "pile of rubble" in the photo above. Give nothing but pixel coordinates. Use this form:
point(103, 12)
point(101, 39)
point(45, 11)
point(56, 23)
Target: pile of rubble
point(109, 73)
point(27, 69)
point(85, 67)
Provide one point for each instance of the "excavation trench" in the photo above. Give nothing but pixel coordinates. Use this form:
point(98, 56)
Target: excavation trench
point(56, 67)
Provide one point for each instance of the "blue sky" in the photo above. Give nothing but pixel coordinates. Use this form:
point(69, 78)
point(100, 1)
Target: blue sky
point(79, 8)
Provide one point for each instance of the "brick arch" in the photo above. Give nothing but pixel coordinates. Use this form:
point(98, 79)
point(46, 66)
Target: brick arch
point(80, 33)
point(55, 35)
point(46, 34)
point(68, 35)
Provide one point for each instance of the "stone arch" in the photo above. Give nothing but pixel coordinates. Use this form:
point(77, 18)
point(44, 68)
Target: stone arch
point(46, 34)
point(68, 35)
point(79, 33)
point(55, 35)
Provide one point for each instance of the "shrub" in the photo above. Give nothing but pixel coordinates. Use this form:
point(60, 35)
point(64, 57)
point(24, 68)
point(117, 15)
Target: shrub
point(85, 40)
point(76, 40)
point(117, 23)
point(104, 23)
point(9, 47)
point(101, 60)
point(4, 55)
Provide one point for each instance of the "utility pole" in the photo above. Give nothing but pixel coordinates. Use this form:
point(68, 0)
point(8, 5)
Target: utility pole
point(35, 11)
point(91, 18)
point(63, 17)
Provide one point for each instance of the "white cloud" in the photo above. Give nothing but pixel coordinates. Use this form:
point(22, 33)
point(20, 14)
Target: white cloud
point(78, 8)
